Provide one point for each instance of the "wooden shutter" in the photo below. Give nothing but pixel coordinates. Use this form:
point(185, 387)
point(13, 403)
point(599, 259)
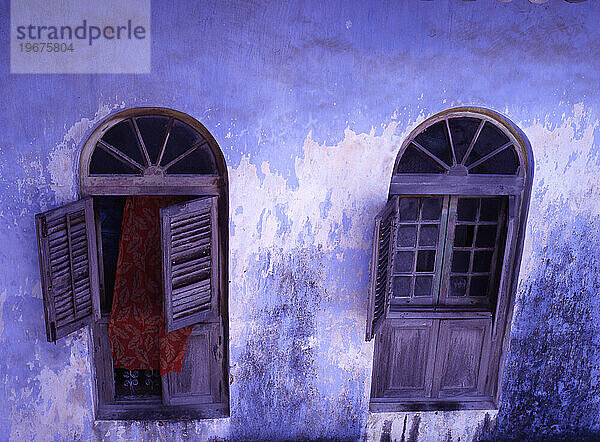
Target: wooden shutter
point(68, 264)
point(381, 259)
point(189, 238)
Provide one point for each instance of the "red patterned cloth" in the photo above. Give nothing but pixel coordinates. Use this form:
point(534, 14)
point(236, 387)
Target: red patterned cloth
point(136, 325)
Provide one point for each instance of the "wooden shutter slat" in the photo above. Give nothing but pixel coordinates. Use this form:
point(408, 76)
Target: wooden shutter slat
point(190, 277)
point(57, 231)
point(192, 306)
point(189, 295)
point(191, 229)
point(200, 223)
point(189, 218)
point(79, 242)
point(195, 264)
point(68, 266)
point(188, 249)
point(190, 262)
point(186, 290)
point(184, 305)
point(200, 238)
point(381, 262)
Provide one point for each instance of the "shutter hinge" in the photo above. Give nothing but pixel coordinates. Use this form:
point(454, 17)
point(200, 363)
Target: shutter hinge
point(53, 331)
point(44, 227)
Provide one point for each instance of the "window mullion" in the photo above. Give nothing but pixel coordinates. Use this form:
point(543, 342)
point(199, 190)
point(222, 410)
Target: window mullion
point(447, 227)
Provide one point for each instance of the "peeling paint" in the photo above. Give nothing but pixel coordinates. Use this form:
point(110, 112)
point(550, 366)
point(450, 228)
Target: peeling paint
point(310, 105)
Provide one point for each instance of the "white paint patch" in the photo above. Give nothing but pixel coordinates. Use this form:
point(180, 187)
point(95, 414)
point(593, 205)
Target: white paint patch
point(63, 404)
point(63, 163)
point(566, 173)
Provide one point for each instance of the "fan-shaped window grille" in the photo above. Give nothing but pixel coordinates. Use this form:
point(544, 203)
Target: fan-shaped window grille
point(461, 144)
point(141, 144)
point(158, 150)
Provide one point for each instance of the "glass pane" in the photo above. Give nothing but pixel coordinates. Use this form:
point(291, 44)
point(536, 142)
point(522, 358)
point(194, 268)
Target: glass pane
point(407, 236)
point(490, 139)
point(460, 261)
point(463, 236)
point(429, 235)
point(458, 286)
point(201, 161)
point(490, 207)
point(104, 163)
point(503, 163)
point(486, 236)
point(182, 137)
point(401, 286)
point(423, 285)
point(482, 261)
point(467, 209)
point(432, 209)
point(413, 161)
point(425, 260)
point(408, 209)
point(403, 262)
point(122, 137)
point(435, 140)
point(479, 285)
point(153, 129)
point(463, 130)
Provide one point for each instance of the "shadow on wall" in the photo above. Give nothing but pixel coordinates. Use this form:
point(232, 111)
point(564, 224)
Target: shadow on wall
point(552, 389)
point(277, 397)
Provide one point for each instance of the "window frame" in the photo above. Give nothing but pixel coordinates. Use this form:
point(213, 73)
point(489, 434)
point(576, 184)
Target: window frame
point(214, 327)
point(457, 183)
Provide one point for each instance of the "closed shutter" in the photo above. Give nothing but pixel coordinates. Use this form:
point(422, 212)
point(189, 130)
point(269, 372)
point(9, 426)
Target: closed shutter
point(68, 264)
point(379, 286)
point(189, 238)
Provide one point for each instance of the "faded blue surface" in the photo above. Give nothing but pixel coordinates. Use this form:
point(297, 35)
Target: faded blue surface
point(309, 102)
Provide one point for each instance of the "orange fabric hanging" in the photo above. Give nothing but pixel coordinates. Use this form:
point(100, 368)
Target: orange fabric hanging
point(136, 324)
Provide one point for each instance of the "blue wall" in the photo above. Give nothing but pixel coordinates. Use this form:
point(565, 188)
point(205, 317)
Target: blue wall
point(309, 102)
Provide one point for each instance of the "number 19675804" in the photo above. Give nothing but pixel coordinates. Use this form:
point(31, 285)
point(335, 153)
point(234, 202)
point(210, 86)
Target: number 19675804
point(46, 47)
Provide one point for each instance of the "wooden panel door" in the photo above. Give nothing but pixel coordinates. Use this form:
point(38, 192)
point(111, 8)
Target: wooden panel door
point(462, 358)
point(404, 359)
point(201, 377)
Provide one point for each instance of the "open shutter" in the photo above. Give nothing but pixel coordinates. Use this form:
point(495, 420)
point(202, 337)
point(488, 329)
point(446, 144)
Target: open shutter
point(190, 262)
point(68, 266)
point(381, 258)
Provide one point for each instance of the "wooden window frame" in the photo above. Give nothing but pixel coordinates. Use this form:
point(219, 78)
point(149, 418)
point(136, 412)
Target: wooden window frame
point(210, 328)
point(454, 183)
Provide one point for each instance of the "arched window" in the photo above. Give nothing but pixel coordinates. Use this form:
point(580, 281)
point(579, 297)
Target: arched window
point(446, 253)
point(155, 172)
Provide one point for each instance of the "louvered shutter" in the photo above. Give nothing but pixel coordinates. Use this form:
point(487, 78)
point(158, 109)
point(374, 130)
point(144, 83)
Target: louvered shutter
point(381, 259)
point(68, 264)
point(190, 262)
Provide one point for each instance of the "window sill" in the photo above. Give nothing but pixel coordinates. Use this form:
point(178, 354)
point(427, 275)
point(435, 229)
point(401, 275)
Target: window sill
point(381, 405)
point(156, 411)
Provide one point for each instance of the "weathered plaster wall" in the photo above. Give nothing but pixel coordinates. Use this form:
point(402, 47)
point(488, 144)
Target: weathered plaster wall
point(309, 102)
